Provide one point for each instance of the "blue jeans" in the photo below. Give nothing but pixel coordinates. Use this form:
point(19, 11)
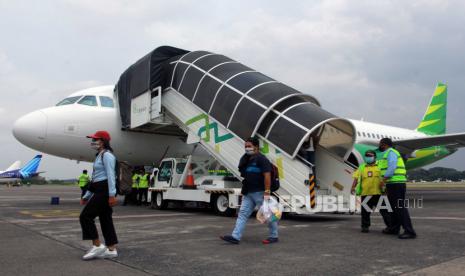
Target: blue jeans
point(249, 202)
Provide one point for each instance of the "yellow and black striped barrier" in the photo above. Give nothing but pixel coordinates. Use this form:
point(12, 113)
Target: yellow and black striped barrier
point(219, 191)
point(311, 188)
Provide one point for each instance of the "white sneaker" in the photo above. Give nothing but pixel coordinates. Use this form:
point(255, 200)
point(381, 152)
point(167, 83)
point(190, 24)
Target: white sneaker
point(94, 252)
point(109, 254)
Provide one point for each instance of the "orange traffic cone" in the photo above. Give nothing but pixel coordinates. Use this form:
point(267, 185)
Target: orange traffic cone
point(189, 184)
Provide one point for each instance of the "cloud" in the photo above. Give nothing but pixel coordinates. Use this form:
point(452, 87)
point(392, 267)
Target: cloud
point(379, 60)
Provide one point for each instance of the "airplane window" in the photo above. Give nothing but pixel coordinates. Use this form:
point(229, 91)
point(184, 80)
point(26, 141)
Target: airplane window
point(88, 100)
point(363, 134)
point(106, 101)
point(377, 136)
point(69, 100)
point(369, 135)
point(358, 133)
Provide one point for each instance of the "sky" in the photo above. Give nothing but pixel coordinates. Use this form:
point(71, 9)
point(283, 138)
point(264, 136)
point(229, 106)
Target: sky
point(376, 60)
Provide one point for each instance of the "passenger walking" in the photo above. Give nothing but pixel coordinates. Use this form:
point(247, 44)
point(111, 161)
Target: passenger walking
point(367, 180)
point(143, 188)
point(393, 170)
point(99, 200)
point(256, 170)
point(83, 181)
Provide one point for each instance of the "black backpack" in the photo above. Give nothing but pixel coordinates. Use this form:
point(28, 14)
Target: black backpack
point(123, 173)
point(274, 178)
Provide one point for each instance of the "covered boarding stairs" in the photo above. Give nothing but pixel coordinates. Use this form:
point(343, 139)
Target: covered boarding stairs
point(218, 103)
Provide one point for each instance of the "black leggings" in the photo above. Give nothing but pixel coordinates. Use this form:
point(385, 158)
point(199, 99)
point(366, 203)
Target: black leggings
point(98, 206)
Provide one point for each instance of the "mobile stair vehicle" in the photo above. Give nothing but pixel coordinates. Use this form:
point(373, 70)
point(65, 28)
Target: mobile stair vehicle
point(211, 101)
point(198, 179)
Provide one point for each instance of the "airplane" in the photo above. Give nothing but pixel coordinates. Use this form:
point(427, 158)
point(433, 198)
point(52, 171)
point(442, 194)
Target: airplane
point(61, 130)
point(15, 173)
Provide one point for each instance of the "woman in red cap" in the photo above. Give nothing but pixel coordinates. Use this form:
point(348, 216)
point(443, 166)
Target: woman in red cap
point(99, 200)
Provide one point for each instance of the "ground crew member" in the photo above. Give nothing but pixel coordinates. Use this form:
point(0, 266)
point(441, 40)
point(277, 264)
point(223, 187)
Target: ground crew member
point(393, 170)
point(132, 197)
point(256, 170)
point(367, 179)
point(143, 187)
point(99, 200)
point(83, 182)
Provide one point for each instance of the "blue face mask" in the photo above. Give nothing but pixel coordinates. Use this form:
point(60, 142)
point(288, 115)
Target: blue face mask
point(370, 159)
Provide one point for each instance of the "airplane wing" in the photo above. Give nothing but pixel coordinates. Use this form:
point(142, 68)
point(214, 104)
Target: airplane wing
point(451, 141)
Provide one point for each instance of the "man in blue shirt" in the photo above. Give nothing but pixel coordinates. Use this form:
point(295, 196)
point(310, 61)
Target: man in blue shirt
point(256, 187)
point(393, 170)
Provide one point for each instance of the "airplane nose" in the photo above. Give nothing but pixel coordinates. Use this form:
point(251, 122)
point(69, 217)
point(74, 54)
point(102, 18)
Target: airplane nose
point(31, 129)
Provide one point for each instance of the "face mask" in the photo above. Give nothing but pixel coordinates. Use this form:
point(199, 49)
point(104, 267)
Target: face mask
point(370, 159)
point(94, 145)
point(249, 151)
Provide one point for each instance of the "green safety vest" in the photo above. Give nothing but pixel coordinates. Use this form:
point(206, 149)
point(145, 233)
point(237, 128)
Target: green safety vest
point(135, 181)
point(400, 173)
point(83, 180)
point(144, 181)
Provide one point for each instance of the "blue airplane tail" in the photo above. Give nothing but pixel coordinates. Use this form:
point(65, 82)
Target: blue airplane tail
point(31, 167)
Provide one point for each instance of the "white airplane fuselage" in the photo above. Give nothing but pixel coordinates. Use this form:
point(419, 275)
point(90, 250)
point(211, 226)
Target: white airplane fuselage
point(371, 133)
point(62, 130)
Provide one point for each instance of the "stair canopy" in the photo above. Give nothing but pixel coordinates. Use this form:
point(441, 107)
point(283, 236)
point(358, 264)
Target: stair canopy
point(241, 99)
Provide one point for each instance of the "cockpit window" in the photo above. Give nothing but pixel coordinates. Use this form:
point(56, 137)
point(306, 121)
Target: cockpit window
point(88, 100)
point(106, 101)
point(69, 100)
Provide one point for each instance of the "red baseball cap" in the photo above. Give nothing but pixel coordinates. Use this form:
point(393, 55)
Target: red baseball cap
point(100, 134)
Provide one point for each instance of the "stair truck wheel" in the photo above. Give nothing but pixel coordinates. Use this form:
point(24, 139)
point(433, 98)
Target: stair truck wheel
point(158, 202)
point(220, 204)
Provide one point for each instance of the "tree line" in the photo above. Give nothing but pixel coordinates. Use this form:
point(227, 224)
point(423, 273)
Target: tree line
point(436, 173)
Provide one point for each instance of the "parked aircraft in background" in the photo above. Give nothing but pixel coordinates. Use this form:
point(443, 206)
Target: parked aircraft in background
point(15, 173)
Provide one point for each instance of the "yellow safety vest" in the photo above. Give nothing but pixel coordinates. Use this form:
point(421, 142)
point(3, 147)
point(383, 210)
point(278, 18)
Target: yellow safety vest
point(83, 180)
point(400, 173)
point(135, 181)
point(368, 179)
point(144, 181)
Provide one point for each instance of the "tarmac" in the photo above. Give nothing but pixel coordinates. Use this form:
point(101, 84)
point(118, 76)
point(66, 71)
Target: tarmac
point(37, 238)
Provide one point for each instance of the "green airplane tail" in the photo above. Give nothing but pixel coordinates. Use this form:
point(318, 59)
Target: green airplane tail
point(434, 120)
